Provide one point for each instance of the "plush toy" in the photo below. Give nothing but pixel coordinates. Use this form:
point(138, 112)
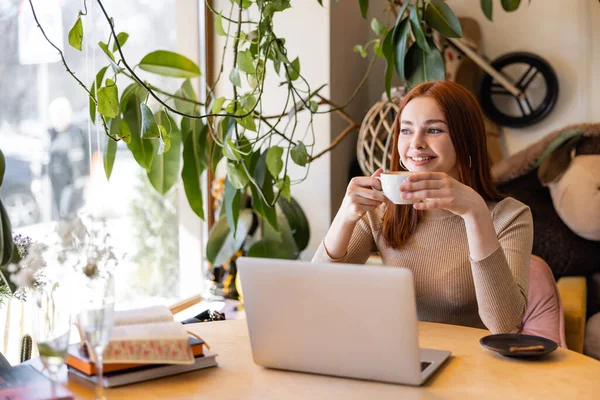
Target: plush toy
point(558, 177)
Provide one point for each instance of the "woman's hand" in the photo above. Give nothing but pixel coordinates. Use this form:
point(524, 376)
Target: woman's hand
point(438, 190)
point(361, 197)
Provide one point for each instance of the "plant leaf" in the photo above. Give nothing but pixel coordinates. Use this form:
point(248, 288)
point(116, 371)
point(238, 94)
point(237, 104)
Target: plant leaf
point(401, 34)
point(222, 243)
point(297, 221)
point(293, 69)
point(269, 214)
point(388, 52)
point(245, 62)
point(247, 122)
point(106, 50)
point(232, 205)
point(110, 147)
point(149, 127)
point(234, 77)
point(76, 34)
point(95, 84)
point(441, 18)
point(270, 249)
point(487, 7)
point(377, 27)
point(164, 170)
point(231, 151)
point(108, 99)
point(142, 150)
point(194, 164)
point(284, 187)
point(121, 38)
point(168, 63)
point(284, 236)
point(510, 5)
point(236, 175)
point(186, 91)
point(219, 25)
point(299, 154)
point(274, 162)
point(364, 8)
point(415, 24)
point(423, 67)
point(218, 105)
point(2, 167)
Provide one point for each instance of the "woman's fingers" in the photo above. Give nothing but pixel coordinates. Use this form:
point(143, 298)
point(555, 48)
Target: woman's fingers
point(368, 194)
point(422, 185)
point(427, 194)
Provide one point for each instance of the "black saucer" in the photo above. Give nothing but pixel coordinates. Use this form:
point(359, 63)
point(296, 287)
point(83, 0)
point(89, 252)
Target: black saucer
point(501, 344)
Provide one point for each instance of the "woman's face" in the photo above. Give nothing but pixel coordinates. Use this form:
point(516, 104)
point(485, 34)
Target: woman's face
point(424, 142)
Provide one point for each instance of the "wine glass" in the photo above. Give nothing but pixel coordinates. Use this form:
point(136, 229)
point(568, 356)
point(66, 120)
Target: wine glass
point(96, 321)
point(52, 325)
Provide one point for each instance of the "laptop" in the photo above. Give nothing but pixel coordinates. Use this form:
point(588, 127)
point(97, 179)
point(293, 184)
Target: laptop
point(353, 321)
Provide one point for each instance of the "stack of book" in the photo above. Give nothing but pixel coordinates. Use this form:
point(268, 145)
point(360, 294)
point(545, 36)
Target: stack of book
point(145, 344)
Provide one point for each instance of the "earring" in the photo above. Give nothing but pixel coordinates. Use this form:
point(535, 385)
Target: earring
point(402, 165)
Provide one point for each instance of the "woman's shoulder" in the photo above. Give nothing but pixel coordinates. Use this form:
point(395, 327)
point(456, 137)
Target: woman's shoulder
point(509, 209)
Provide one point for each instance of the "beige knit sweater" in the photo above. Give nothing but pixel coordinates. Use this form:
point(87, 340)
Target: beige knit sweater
point(449, 286)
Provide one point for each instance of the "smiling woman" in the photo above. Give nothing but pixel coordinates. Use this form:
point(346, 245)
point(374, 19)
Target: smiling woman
point(468, 248)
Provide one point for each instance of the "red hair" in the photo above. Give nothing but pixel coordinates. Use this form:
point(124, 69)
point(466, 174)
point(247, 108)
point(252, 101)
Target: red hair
point(467, 132)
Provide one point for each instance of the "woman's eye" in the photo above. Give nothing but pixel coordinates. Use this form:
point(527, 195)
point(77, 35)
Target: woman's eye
point(435, 130)
point(405, 131)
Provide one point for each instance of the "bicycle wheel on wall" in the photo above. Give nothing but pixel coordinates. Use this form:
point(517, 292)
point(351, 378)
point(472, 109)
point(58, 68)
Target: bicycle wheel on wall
point(536, 80)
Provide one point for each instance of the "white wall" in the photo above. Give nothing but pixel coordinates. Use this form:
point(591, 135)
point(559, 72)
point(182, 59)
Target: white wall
point(560, 31)
point(564, 32)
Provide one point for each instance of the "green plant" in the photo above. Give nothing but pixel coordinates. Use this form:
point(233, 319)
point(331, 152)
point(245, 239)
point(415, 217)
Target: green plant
point(182, 133)
point(6, 244)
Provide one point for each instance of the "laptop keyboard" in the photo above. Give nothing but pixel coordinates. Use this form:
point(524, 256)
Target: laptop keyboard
point(424, 364)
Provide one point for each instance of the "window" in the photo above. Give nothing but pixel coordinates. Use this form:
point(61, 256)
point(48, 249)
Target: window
point(54, 155)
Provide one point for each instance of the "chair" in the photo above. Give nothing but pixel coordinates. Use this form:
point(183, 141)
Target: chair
point(545, 315)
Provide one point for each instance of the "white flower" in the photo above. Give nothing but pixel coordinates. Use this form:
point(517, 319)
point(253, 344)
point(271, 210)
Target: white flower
point(23, 278)
point(12, 268)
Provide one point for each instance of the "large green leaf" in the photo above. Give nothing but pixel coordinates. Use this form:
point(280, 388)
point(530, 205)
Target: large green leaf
point(186, 91)
point(232, 205)
point(194, 163)
point(142, 150)
point(487, 6)
point(297, 221)
point(150, 128)
point(415, 25)
point(293, 69)
point(218, 105)
point(76, 34)
point(266, 212)
point(388, 52)
point(364, 8)
point(400, 40)
point(108, 99)
point(284, 236)
point(6, 243)
point(168, 63)
point(164, 170)
point(237, 175)
point(441, 18)
point(222, 243)
point(274, 161)
point(110, 146)
point(510, 5)
point(270, 249)
point(2, 167)
point(96, 84)
point(423, 67)
point(6, 248)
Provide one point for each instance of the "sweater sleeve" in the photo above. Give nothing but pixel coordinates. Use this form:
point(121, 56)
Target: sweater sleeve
point(502, 278)
point(359, 249)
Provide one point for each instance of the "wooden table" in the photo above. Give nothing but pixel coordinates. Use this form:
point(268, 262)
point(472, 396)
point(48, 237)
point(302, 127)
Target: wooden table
point(472, 372)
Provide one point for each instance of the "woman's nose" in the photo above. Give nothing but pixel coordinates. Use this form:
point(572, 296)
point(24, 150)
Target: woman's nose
point(418, 141)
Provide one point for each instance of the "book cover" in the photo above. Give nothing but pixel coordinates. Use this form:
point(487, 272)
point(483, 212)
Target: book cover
point(144, 373)
point(147, 335)
point(78, 359)
point(24, 382)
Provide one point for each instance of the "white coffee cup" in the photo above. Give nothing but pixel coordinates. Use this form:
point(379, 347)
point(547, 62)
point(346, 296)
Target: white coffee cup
point(390, 183)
